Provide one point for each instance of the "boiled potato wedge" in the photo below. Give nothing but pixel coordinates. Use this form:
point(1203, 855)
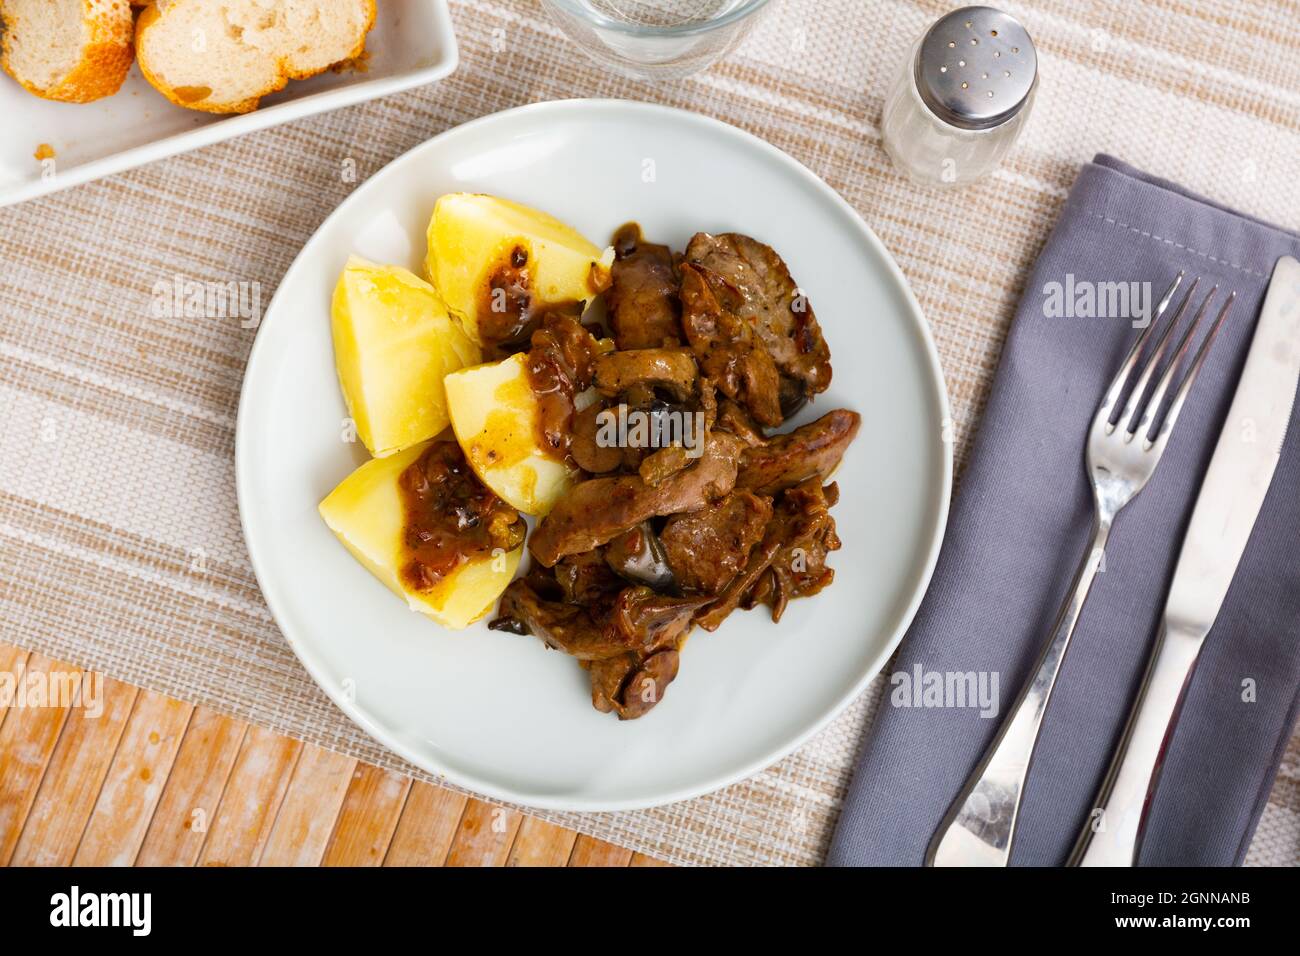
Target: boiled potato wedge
point(366, 513)
point(393, 344)
point(494, 414)
point(485, 253)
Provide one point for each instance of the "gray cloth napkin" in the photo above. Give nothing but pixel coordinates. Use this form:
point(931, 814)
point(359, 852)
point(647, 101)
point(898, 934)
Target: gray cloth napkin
point(1019, 527)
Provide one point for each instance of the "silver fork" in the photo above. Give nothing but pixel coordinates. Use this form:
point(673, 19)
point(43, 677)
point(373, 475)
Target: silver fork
point(1123, 452)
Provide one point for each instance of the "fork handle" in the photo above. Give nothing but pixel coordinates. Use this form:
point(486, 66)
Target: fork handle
point(979, 828)
point(1112, 834)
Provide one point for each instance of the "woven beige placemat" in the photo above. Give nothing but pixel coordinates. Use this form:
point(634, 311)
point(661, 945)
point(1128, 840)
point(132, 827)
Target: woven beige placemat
point(120, 546)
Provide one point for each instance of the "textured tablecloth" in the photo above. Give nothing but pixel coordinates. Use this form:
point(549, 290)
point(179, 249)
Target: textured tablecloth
point(120, 546)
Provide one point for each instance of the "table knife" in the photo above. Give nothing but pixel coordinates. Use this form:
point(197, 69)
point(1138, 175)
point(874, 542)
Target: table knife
point(1229, 502)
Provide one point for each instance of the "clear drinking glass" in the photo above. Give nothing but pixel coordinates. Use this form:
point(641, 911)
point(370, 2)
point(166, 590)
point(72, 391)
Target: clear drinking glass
point(655, 39)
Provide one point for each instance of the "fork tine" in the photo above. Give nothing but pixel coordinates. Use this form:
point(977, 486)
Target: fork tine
point(1152, 407)
point(1128, 416)
point(1116, 388)
point(1171, 417)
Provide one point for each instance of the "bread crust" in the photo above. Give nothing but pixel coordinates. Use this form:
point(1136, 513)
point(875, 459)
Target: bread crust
point(152, 15)
point(105, 59)
point(352, 55)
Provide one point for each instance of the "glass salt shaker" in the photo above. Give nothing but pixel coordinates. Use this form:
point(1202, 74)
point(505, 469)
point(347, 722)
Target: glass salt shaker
point(962, 97)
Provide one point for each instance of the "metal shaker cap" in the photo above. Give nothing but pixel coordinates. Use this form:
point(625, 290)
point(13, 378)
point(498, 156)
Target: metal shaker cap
point(976, 67)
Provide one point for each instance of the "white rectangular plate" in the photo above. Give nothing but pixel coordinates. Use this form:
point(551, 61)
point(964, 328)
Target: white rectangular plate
point(412, 44)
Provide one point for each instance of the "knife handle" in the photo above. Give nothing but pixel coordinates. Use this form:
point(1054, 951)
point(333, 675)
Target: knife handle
point(1112, 834)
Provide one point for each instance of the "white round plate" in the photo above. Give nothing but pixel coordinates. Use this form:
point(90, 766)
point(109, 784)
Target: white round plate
point(498, 713)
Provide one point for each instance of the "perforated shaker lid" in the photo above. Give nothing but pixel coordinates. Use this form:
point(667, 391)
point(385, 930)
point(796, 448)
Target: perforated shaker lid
point(976, 67)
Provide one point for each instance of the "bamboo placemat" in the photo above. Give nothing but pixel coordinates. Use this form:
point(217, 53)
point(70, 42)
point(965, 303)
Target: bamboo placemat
point(120, 547)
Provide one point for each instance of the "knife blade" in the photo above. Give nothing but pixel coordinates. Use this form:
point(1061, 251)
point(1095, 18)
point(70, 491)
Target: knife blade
point(1231, 496)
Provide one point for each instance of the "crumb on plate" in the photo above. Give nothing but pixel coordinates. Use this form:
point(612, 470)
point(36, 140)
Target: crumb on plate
point(357, 64)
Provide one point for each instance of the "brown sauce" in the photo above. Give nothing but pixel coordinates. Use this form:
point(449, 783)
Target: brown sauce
point(561, 362)
point(560, 350)
point(449, 517)
point(506, 316)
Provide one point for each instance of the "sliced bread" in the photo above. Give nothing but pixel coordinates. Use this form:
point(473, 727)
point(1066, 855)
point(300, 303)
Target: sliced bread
point(223, 56)
point(76, 51)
